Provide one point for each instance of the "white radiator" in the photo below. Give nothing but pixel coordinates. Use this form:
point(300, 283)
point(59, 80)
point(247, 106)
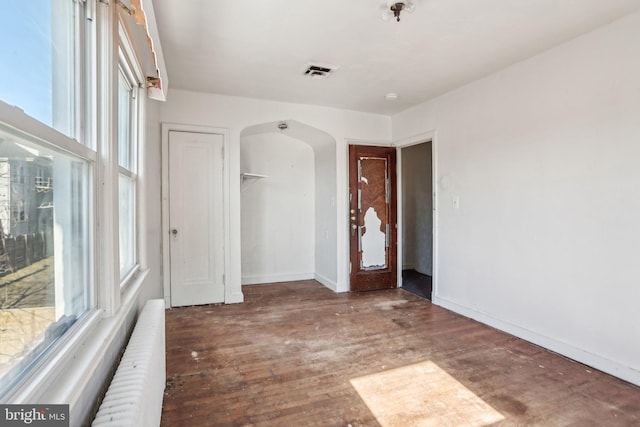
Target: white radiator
point(134, 397)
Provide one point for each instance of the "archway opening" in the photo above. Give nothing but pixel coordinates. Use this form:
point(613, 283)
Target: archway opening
point(288, 204)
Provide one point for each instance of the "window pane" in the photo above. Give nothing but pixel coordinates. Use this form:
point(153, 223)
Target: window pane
point(45, 250)
point(127, 225)
point(37, 53)
point(124, 122)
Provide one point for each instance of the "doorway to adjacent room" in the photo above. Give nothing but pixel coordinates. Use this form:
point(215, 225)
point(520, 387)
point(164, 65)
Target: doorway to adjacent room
point(417, 219)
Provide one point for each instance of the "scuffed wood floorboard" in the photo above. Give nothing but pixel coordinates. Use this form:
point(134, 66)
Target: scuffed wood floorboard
point(286, 357)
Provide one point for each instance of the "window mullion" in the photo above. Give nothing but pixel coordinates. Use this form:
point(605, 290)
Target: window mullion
point(107, 200)
point(135, 130)
point(88, 71)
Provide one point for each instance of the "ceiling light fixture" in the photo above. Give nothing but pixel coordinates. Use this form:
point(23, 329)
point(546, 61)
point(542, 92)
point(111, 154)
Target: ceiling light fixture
point(394, 7)
point(391, 96)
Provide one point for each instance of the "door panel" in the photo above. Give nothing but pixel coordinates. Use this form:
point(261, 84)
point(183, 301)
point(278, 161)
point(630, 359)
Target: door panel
point(196, 218)
point(372, 212)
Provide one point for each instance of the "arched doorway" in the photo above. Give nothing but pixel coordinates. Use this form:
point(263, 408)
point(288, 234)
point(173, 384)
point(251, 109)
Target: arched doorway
point(288, 203)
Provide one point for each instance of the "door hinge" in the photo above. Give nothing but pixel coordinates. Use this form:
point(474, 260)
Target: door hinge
point(386, 236)
point(387, 190)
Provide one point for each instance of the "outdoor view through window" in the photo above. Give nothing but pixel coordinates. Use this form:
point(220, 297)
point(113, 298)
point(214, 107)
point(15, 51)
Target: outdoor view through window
point(27, 297)
point(45, 192)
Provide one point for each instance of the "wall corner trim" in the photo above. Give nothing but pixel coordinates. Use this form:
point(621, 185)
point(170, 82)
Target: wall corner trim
point(331, 284)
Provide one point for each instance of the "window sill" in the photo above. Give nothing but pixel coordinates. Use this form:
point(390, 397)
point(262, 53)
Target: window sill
point(76, 373)
point(28, 389)
point(133, 276)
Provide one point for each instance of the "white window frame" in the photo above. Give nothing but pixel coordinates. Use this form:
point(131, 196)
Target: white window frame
point(15, 121)
point(131, 69)
point(64, 374)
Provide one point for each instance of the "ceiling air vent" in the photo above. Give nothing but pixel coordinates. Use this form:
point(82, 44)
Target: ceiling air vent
point(318, 71)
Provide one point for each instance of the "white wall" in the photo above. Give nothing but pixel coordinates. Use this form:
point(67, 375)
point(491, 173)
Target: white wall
point(236, 114)
point(278, 212)
point(149, 188)
point(326, 242)
point(417, 215)
point(544, 159)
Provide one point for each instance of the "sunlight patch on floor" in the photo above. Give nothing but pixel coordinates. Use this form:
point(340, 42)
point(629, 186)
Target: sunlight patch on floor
point(422, 395)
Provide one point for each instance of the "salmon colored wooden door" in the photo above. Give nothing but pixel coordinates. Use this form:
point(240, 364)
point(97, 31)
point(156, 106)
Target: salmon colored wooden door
point(372, 217)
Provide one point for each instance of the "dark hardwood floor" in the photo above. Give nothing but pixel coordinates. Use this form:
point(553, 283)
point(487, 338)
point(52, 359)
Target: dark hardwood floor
point(293, 353)
point(417, 283)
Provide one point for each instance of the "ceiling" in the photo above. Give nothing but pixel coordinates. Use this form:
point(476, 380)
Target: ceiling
point(260, 48)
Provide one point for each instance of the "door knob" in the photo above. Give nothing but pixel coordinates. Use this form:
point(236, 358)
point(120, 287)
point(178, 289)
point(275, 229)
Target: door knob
point(174, 231)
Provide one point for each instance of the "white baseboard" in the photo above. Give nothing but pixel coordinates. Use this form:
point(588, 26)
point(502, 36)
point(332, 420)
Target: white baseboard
point(590, 359)
point(292, 277)
point(331, 284)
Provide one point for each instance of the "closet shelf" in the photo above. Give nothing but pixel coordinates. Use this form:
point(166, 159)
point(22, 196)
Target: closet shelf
point(245, 176)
